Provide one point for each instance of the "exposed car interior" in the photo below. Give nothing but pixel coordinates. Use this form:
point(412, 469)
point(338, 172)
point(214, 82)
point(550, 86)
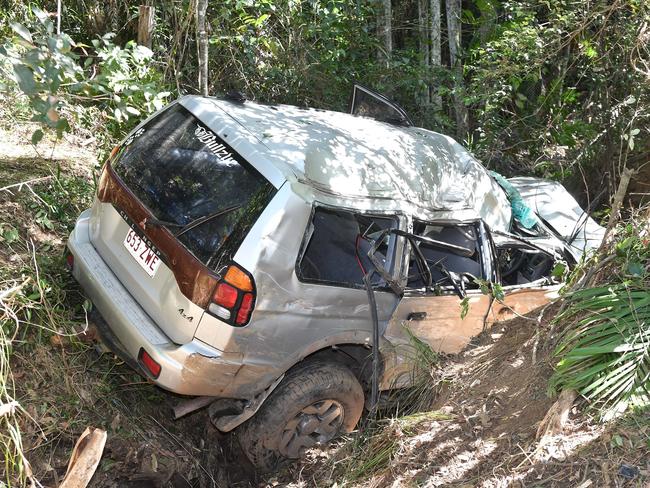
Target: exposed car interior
point(519, 264)
point(337, 247)
point(452, 256)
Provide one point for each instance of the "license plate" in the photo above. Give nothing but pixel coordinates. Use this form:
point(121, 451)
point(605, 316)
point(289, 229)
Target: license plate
point(143, 254)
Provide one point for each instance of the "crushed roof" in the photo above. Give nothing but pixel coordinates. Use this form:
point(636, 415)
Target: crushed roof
point(354, 156)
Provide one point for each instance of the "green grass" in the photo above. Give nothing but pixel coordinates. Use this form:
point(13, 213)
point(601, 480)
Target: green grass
point(39, 300)
point(424, 378)
point(379, 440)
point(378, 443)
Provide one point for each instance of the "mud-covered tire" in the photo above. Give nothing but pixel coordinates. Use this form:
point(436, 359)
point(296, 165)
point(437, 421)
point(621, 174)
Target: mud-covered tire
point(309, 396)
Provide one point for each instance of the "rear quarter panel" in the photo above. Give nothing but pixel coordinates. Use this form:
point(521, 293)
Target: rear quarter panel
point(291, 319)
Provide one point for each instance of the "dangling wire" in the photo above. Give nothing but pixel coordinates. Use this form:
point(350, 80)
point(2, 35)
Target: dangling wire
point(374, 388)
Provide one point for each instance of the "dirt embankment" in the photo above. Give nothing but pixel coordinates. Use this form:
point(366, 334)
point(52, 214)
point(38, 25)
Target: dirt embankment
point(484, 432)
point(61, 381)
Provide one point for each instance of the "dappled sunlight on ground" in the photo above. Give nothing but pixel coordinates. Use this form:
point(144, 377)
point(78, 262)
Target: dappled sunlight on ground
point(495, 400)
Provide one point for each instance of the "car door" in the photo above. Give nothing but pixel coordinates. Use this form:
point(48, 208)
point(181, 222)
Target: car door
point(368, 103)
point(436, 314)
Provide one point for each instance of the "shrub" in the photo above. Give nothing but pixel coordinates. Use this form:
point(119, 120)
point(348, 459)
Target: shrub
point(51, 70)
point(605, 354)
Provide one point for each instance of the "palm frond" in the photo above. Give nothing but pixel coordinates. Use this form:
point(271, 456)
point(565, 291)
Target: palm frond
point(606, 355)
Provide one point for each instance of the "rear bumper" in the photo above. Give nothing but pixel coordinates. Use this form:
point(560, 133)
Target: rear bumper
point(194, 368)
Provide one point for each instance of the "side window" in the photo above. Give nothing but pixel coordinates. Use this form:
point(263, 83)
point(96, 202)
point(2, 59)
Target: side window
point(451, 252)
point(336, 248)
point(518, 264)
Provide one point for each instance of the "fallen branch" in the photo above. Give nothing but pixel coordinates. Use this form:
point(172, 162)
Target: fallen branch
point(25, 183)
point(618, 202)
point(85, 458)
point(556, 417)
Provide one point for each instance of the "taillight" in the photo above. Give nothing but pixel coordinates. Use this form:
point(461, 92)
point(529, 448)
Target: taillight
point(233, 299)
point(245, 309)
point(148, 362)
point(225, 295)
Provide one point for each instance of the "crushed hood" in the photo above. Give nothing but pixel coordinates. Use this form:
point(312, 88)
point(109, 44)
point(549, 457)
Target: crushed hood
point(552, 202)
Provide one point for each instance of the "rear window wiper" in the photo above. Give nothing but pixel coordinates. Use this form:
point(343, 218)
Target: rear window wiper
point(192, 224)
point(201, 220)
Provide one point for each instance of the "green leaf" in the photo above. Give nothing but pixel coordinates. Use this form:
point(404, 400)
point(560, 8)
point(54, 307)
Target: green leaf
point(25, 79)
point(635, 268)
point(42, 16)
point(37, 136)
point(498, 292)
point(9, 235)
point(464, 307)
point(22, 31)
point(559, 270)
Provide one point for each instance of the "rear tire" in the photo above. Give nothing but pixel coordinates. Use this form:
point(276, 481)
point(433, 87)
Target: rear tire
point(312, 405)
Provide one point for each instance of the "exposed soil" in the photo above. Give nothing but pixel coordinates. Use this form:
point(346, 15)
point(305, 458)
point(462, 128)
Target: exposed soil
point(485, 433)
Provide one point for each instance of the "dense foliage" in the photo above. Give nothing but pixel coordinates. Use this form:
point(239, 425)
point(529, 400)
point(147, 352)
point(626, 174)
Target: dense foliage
point(605, 353)
point(557, 89)
point(59, 77)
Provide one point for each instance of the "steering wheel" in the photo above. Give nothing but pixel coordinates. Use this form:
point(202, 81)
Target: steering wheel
point(510, 260)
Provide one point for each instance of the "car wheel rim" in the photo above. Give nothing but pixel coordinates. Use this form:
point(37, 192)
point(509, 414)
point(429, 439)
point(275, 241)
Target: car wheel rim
point(316, 424)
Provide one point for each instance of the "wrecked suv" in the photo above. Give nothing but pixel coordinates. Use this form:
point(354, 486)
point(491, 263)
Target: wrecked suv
point(254, 255)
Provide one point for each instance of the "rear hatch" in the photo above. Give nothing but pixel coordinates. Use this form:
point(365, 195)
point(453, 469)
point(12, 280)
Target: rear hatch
point(195, 193)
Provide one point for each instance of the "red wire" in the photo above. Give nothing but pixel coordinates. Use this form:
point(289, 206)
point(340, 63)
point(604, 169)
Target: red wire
point(356, 254)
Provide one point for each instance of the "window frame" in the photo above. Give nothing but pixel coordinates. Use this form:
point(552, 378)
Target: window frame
point(485, 248)
point(396, 246)
point(406, 120)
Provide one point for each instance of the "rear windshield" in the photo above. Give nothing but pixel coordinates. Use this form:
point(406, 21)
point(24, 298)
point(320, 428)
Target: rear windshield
point(181, 171)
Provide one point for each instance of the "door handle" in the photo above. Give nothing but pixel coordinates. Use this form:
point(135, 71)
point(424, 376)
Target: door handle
point(417, 316)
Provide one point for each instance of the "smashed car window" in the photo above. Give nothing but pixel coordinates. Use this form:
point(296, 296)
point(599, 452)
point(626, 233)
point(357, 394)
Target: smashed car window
point(337, 246)
point(519, 265)
point(191, 180)
point(461, 258)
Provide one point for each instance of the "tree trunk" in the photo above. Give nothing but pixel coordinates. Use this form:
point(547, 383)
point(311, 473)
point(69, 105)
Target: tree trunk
point(453, 28)
point(201, 9)
point(424, 48)
point(386, 28)
point(146, 20)
point(436, 52)
point(58, 17)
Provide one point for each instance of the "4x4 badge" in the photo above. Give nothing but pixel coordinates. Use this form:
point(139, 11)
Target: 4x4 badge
point(189, 318)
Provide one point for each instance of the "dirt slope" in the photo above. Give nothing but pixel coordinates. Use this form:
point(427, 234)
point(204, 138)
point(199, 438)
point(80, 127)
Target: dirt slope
point(482, 429)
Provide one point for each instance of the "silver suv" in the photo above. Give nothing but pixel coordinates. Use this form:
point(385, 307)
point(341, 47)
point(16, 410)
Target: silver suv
point(253, 255)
